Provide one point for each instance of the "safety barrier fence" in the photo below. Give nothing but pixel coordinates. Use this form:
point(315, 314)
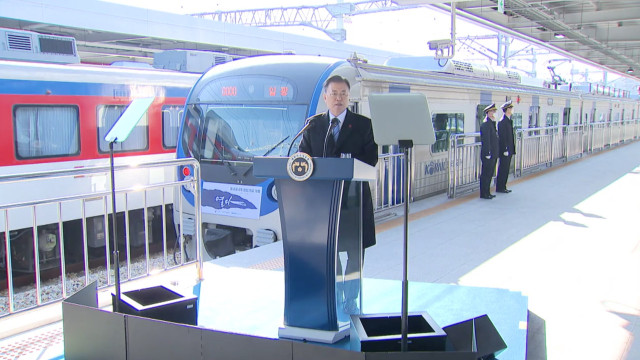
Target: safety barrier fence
point(536, 148)
point(56, 271)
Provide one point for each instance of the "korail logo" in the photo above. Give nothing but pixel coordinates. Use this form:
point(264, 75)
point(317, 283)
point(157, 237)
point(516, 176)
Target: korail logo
point(435, 167)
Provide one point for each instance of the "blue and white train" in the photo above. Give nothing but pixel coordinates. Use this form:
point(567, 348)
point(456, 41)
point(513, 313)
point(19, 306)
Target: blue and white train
point(255, 106)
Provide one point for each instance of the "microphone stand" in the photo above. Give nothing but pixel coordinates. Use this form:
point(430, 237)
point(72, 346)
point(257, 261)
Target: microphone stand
point(306, 125)
point(326, 137)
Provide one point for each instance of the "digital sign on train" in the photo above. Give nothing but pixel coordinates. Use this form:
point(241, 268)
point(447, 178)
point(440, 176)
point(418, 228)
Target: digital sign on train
point(248, 89)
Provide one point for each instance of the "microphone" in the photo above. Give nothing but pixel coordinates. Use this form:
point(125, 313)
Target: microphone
point(334, 123)
point(306, 125)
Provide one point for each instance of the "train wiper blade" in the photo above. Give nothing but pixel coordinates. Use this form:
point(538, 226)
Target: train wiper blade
point(267, 153)
point(275, 146)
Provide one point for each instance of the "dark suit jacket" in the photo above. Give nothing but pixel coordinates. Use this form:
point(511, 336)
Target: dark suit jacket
point(489, 138)
point(505, 135)
point(355, 138)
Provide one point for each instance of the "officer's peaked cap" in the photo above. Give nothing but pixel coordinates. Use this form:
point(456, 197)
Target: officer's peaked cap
point(489, 108)
point(508, 104)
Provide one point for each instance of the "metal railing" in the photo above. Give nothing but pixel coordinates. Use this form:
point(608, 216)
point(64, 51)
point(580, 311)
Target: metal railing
point(388, 189)
point(536, 148)
point(140, 194)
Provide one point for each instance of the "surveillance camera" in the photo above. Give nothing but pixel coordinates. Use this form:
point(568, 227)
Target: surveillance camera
point(440, 44)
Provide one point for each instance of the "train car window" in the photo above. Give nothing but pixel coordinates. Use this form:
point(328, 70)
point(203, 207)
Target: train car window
point(46, 131)
point(171, 115)
point(138, 140)
point(190, 130)
point(444, 125)
point(517, 120)
point(553, 119)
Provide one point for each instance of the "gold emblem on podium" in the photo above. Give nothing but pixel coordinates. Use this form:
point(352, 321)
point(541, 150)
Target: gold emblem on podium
point(300, 166)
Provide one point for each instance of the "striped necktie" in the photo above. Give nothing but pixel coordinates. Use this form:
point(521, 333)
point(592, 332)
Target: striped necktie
point(335, 122)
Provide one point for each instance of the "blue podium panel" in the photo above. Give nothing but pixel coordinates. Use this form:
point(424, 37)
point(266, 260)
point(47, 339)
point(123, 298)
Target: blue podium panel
point(309, 251)
point(310, 202)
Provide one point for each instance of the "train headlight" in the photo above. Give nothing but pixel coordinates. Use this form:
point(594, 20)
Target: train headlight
point(47, 241)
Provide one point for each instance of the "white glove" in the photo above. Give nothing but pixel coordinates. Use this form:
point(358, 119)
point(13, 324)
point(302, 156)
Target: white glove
point(506, 153)
point(488, 157)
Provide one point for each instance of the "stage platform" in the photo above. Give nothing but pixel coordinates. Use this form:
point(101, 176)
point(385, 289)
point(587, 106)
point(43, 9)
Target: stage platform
point(251, 302)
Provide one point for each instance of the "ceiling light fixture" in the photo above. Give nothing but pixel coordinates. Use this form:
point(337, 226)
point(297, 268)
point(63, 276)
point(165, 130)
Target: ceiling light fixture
point(559, 36)
point(630, 70)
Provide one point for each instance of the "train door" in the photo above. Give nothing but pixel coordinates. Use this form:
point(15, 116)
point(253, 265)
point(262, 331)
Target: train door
point(566, 116)
point(485, 100)
point(480, 115)
point(534, 115)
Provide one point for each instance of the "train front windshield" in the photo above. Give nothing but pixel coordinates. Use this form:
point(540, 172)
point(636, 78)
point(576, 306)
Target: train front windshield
point(237, 118)
point(240, 132)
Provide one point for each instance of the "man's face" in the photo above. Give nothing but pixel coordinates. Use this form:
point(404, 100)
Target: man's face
point(508, 112)
point(336, 97)
point(491, 114)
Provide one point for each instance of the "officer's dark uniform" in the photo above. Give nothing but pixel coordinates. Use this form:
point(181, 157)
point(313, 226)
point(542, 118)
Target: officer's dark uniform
point(507, 149)
point(489, 152)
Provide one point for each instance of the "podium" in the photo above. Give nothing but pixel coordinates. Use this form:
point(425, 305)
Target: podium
point(320, 216)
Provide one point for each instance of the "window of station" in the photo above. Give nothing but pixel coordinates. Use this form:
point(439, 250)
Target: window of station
point(171, 115)
point(138, 139)
point(46, 131)
point(445, 124)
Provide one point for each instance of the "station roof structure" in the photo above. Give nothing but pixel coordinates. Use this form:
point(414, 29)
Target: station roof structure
point(600, 32)
point(107, 32)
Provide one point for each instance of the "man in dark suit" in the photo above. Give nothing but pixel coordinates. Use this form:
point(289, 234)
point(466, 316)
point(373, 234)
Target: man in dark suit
point(507, 147)
point(330, 134)
point(489, 151)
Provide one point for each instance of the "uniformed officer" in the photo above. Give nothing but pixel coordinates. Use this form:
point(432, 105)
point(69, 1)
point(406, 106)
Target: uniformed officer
point(489, 151)
point(507, 147)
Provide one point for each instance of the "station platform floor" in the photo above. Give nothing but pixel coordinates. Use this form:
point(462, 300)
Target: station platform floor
point(567, 238)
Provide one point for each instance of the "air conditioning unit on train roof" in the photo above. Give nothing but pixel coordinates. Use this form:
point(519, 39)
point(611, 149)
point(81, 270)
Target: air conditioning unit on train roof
point(32, 46)
point(479, 71)
point(193, 61)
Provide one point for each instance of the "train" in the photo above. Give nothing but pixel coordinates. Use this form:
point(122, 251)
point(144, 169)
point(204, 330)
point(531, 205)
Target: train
point(55, 116)
point(255, 106)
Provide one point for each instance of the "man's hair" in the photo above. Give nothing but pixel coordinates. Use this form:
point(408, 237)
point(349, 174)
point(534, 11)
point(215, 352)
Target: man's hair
point(335, 79)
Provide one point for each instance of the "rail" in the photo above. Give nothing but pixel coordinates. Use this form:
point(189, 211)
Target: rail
point(140, 191)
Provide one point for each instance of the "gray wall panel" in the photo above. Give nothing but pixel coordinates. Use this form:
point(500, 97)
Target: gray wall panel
point(225, 346)
point(306, 351)
point(154, 339)
point(92, 334)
